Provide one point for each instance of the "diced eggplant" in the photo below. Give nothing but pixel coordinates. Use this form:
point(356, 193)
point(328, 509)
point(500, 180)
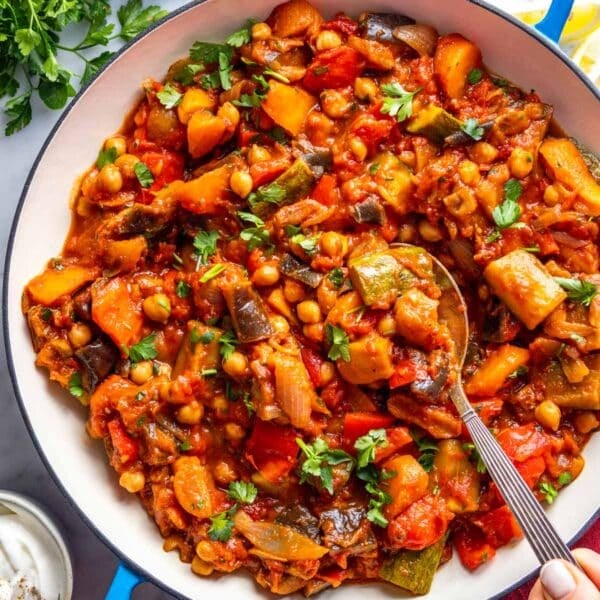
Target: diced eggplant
point(584, 395)
point(459, 138)
point(434, 123)
point(82, 304)
point(380, 26)
point(368, 211)
point(248, 315)
point(141, 219)
point(347, 530)
point(98, 359)
point(414, 570)
point(430, 386)
point(300, 518)
point(293, 184)
point(319, 160)
point(295, 269)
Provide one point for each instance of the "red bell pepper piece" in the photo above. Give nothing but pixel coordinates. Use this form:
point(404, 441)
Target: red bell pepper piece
point(342, 24)
point(333, 393)
point(326, 191)
point(405, 372)
point(397, 437)
point(499, 526)
point(336, 68)
point(357, 424)
point(272, 449)
point(472, 547)
point(526, 441)
point(165, 167)
point(126, 449)
point(312, 361)
point(488, 409)
point(266, 171)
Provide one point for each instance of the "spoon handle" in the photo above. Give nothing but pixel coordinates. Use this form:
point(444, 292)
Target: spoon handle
point(542, 536)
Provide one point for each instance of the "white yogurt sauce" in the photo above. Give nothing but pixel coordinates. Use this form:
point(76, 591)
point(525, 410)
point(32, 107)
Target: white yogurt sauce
point(30, 566)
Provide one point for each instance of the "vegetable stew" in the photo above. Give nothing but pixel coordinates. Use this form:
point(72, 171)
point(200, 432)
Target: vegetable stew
point(264, 360)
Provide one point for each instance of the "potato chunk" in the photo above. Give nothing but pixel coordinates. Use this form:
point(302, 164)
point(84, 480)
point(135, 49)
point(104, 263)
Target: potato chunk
point(523, 284)
point(417, 318)
point(369, 360)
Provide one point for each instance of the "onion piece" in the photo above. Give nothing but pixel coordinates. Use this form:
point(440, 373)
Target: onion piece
point(278, 540)
point(293, 388)
point(420, 37)
point(463, 254)
point(563, 238)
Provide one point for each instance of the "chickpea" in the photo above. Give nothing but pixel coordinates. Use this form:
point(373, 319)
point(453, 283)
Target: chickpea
point(191, 414)
point(132, 481)
point(241, 183)
point(110, 179)
point(117, 142)
point(387, 326)
point(258, 154)
point(293, 291)
point(365, 89)
point(236, 365)
point(327, 372)
point(266, 275)
point(309, 311)
point(224, 472)
point(79, 335)
point(200, 567)
point(220, 404)
point(468, 172)
point(430, 232)
point(499, 174)
point(335, 104)
point(483, 153)
point(326, 295)
point(409, 158)
point(157, 308)
point(140, 372)
point(552, 195)
point(358, 148)
point(333, 244)
point(261, 31)
point(205, 551)
point(461, 203)
point(327, 40)
point(586, 422)
point(280, 324)
point(520, 163)
point(234, 432)
point(548, 414)
point(314, 331)
point(126, 164)
point(407, 233)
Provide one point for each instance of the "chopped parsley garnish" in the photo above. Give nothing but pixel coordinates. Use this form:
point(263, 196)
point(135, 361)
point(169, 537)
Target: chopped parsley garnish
point(549, 492)
point(427, 449)
point(397, 102)
point(367, 444)
point(565, 478)
point(169, 96)
point(75, 385)
point(472, 128)
point(187, 74)
point(507, 214)
point(224, 71)
point(221, 525)
point(275, 75)
point(253, 100)
point(308, 243)
point(212, 273)
point(206, 373)
point(292, 230)
point(208, 53)
point(256, 236)
point(336, 276)
point(243, 492)
point(338, 342)
point(227, 344)
point(247, 400)
point(379, 498)
point(319, 459)
point(143, 174)
point(205, 245)
point(475, 75)
point(272, 193)
point(474, 455)
point(141, 421)
point(46, 314)
point(106, 157)
point(579, 291)
point(210, 80)
point(143, 350)
point(243, 35)
point(374, 168)
point(518, 372)
point(182, 289)
point(140, 396)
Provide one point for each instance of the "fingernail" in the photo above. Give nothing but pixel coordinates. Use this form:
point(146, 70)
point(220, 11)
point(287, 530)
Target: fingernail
point(557, 580)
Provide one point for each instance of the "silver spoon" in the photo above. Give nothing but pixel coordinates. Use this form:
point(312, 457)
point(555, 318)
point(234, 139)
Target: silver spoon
point(543, 538)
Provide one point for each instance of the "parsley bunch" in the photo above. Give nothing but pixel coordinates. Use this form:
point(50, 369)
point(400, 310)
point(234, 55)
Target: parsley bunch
point(30, 48)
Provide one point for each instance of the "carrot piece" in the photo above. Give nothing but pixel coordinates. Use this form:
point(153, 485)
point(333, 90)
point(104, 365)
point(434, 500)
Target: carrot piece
point(202, 195)
point(357, 424)
point(565, 163)
point(51, 285)
point(492, 373)
point(454, 58)
point(408, 485)
point(288, 106)
point(204, 132)
point(126, 449)
point(194, 487)
point(116, 312)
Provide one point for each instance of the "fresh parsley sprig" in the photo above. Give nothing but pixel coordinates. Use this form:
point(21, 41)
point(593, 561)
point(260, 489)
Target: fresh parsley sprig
point(507, 213)
point(338, 342)
point(367, 444)
point(256, 236)
point(318, 462)
point(205, 245)
point(75, 385)
point(578, 290)
point(243, 492)
point(221, 525)
point(472, 128)
point(145, 349)
point(397, 102)
point(227, 344)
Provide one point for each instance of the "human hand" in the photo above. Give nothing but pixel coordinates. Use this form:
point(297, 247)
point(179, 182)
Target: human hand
point(560, 580)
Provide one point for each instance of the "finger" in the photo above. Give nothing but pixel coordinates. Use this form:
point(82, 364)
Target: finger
point(590, 563)
point(537, 592)
point(563, 581)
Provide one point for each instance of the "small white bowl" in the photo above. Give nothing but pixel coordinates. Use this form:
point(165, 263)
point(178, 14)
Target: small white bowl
point(43, 528)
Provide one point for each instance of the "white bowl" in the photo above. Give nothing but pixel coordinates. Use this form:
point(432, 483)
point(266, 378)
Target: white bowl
point(57, 423)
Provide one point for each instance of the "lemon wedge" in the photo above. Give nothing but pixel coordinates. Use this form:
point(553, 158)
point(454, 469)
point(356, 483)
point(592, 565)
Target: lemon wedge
point(587, 56)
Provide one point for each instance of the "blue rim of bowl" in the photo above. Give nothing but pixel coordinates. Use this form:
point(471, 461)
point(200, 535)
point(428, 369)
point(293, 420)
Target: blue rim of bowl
point(550, 45)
